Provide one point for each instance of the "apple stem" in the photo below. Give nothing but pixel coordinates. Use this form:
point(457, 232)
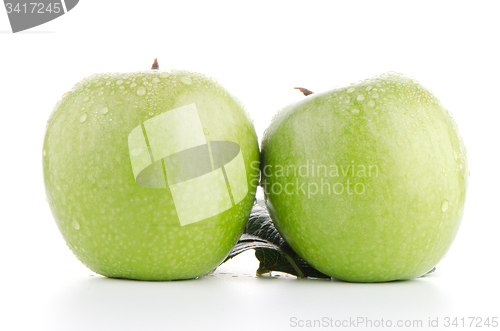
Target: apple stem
point(155, 65)
point(304, 90)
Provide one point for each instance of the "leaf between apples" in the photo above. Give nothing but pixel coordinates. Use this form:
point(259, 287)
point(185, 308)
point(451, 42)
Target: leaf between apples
point(273, 253)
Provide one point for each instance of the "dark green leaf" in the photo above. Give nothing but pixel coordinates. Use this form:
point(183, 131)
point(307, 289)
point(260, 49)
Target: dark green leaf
point(273, 253)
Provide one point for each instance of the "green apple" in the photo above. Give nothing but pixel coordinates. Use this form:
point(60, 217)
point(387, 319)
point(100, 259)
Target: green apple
point(367, 182)
point(150, 175)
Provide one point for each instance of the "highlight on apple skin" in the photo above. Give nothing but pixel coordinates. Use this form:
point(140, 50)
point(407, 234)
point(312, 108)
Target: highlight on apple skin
point(150, 175)
point(367, 182)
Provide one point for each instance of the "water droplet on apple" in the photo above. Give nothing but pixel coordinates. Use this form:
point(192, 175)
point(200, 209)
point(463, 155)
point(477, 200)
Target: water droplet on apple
point(44, 153)
point(119, 82)
point(86, 98)
point(371, 103)
point(368, 88)
point(104, 110)
point(206, 131)
point(83, 118)
point(156, 80)
point(141, 90)
point(360, 97)
point(449, 113)
point(76, 225)
point(186, 80)
point(136, 151)
point(100, 93)
point(351, 89)
point(455, 156)
point(133, 85)
point(375, 95)
point(213, 79)
point(444, 206)
point(355, 111)
point(164, 74)
point(83, 108)
point(65, 95)
point(119, 102)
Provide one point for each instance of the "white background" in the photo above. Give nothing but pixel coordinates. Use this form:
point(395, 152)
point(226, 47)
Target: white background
point(259, 50)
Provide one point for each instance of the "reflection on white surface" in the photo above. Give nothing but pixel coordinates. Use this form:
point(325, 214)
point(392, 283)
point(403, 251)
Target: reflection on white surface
point(233, 297)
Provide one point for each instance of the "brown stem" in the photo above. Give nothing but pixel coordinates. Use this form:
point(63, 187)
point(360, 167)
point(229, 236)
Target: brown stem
point(155, 65)
point(304, 90)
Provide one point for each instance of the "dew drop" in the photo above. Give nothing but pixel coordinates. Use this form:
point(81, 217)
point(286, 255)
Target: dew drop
point(83, 108)
point(186, 80)
point(375, 95)
point(65, 95)
point(355, 111)
point(83, 118)
point(164, 74)
point(141, 91)
point(136, 151)
point(449, 113)
point(455, 156)
point(371, 103)
point(206, 131)
point(351, 89)
point(86, 98)
point(213, 79)
point(133, 85)
point(368, 88)
point(119, 82)
point(44, 153)
point(444, 206)
point(156, 80)
point(76, 225)
point(100, 93)
point(360, 97)
point(104, 110)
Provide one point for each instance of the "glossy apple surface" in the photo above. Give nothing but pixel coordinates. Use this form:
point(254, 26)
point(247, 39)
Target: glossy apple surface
point(107, 151)
point(366, 183)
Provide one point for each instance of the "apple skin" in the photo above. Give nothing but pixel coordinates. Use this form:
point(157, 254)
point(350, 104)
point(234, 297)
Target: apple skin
point(114, 226)
point(397, 223)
